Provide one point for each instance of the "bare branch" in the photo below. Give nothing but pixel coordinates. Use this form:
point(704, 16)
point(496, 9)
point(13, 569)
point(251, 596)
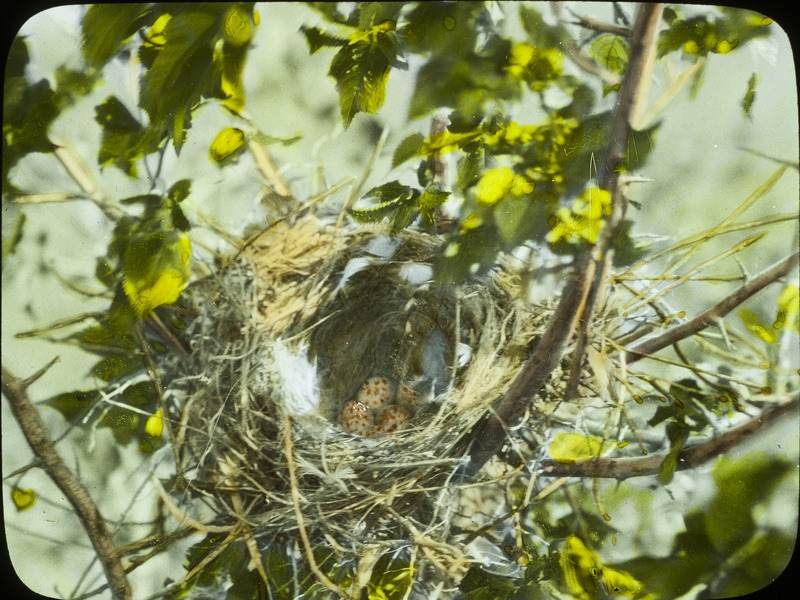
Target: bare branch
point(93, 522)
point(720, 309)
point(689, 458)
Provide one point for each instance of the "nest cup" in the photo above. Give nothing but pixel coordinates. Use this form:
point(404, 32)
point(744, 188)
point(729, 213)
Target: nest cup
point(287, 332)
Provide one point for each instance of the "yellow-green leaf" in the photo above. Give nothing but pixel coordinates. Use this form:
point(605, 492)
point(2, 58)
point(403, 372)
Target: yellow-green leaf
point(154, 426)
point(789, 309)
point(156, 268)
point(228, 142)
point(361, 70)
point(23, 499)
point(621, 582)
point(494, 185)
point(238, 28)
point(756, 328)
point(612, 52)
point(567, 448)
point(581, 569)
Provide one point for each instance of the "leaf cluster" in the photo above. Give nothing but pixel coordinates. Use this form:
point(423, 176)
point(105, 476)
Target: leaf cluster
point(30, 108)
point(722, 546)
point(189, 53)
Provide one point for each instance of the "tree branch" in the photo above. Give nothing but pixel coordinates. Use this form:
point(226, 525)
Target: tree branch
point(689, 458)
point(93, 522)
point(580, 292)
point(720, 309)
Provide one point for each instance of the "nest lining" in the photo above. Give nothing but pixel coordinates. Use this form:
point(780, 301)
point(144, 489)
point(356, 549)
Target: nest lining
point(288, 331)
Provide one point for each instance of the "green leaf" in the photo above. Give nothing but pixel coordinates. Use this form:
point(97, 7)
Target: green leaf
point(72, 85)
point(568, 448)
point(23, 499)
point(127, 424)
point(317, 38)
point(361, 70)
point(73, 405)
point(182, 68)
point(742, 484)
point(757, 564)
point(390, 579)
point(407, 149)
point(750, 94)
point(124, 140)
point(444, 28)
point(472, 251)
point(227, 144)
point(11, 242)
point(114, 333)
point(540, 33)
point(394, 200)
point(470, 166)
point(611, 52)
point(156, 267)
point(280, 575)
point(117, 366)
point(429, 201)
point(678, 435)
point(180, 190)
point(108, 27)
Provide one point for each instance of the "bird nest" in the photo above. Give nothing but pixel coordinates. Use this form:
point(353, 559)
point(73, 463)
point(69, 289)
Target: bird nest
point(284, 338)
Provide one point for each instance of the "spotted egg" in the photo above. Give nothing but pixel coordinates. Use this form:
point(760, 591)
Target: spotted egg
point(356, 418)
point(408, 398)
point(374, 393)
point(391, 418)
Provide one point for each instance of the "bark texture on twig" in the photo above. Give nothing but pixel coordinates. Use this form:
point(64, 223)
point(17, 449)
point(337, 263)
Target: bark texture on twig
point(93, 522)
point(580, 291)
point(689, 458)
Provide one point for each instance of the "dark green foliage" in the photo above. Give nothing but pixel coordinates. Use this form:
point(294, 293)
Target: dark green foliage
point(750, 95)
point(394, 200)
point(30, 108)
point(361, 70)
point(721, 546)
point(107, 28)
point(699, 35)
point(125, 140)
point(479, 585)
point(11, 242)
point(190, 52)
point(317, 38)
point(124, 415)
point(688, 413)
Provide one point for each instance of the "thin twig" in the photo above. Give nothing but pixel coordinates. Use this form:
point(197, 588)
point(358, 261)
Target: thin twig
point(689, 458)
point(720, 309)
point(93, 522)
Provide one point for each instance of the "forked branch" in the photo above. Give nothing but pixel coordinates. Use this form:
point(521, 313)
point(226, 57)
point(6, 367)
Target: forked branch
point(43, 447)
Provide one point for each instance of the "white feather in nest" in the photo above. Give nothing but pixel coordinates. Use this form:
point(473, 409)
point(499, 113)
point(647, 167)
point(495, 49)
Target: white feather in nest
point(298, 378)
